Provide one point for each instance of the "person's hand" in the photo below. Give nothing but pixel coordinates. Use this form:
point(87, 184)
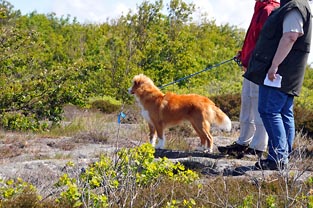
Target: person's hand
point(271, 74)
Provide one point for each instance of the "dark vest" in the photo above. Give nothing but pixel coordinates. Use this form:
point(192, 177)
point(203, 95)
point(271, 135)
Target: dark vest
point(293, 67)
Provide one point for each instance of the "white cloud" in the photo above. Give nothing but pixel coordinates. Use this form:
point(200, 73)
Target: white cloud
point(237, 13)
point(121, 8)
point(92, 11)
point(233, 12)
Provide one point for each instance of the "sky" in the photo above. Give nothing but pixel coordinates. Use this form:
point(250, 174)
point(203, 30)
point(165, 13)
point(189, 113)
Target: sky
point(233, 12)
point(223, 11)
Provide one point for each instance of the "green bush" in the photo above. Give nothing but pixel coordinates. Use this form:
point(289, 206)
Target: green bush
point(229, 103)
point(105, 104)
point(118, 180)
point(20, 122)
point(303, 120)
point(17, 193)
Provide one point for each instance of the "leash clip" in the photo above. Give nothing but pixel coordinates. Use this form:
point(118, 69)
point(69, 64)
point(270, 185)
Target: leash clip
point(120, 116)
point(237, 60)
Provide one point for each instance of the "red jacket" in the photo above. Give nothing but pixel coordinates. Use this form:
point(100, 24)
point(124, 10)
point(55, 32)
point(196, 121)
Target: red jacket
point(262, 10)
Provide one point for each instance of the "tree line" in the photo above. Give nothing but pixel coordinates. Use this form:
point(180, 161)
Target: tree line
point(48, 61)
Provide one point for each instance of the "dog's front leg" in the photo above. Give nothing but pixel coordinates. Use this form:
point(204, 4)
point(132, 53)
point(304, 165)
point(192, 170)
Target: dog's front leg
point(152, 135)
point(161, 137)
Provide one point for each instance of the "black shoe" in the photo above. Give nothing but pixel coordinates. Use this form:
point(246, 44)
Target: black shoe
point(233, 149)
point(255, 152)
point(269, 165)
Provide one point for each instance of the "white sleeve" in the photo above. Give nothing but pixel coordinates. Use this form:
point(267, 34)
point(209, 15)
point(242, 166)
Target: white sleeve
point(293, 22)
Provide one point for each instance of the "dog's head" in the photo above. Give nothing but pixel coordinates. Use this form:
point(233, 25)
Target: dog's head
point(138, 82)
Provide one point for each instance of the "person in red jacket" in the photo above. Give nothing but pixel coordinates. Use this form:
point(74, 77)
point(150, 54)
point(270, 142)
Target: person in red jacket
point(253, 138)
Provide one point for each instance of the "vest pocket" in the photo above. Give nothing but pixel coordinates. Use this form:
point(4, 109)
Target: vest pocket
point(257, 69)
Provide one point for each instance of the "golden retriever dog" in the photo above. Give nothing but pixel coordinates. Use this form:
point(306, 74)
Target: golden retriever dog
point(163, 110)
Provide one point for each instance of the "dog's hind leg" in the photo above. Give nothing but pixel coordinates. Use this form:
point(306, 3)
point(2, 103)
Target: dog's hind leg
point(203, 144)
point(209, 139)
point(203, 130)
point(152, 135)
point(208, 136)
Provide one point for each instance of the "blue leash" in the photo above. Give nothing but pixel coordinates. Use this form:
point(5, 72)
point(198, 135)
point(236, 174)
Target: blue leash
point(206, 69)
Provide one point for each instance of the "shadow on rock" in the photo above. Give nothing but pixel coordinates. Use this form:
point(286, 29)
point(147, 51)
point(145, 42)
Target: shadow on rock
point(180, 154)
point(238, 171)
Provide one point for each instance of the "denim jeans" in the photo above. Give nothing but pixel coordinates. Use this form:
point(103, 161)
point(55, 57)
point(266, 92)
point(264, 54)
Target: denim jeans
point(276, 110)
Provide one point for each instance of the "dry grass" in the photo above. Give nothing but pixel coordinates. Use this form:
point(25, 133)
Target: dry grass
point(282, 189)
point(208, 192)
point(13, 144)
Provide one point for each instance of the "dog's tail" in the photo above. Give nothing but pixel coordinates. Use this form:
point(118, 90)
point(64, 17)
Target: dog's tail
point(222, 120)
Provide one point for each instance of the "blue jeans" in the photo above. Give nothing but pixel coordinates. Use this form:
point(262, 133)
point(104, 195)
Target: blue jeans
point(276, 110)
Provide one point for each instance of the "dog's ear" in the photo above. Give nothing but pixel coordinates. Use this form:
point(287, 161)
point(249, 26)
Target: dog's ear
point(137, 82)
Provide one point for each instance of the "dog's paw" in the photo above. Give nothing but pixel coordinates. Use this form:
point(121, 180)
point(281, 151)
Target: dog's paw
point(160, 144)
point(208, 151)
point(200, 148)
point(204, 149)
